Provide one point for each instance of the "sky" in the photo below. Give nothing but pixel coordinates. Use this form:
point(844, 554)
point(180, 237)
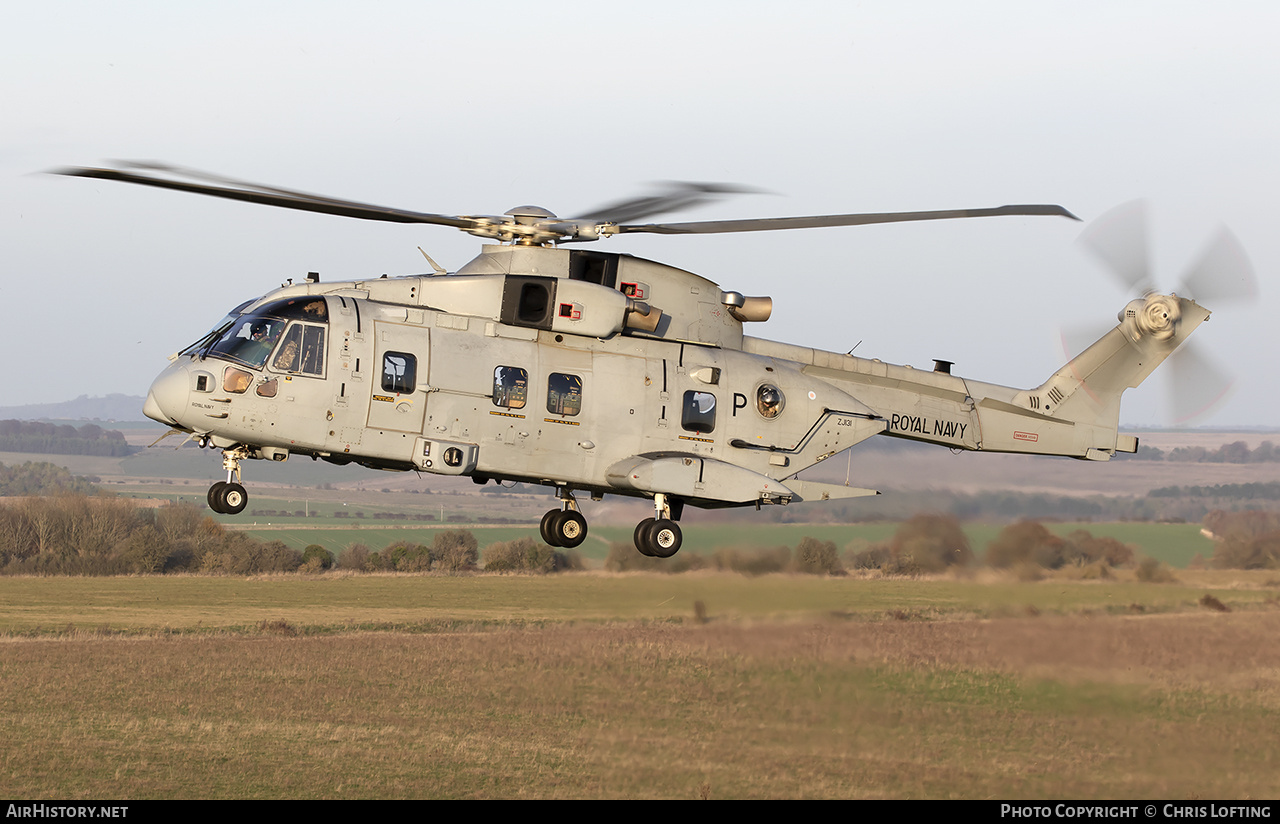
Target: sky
point(461, 108)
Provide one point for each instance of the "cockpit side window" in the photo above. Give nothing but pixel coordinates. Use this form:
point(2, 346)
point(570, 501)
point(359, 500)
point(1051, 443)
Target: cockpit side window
point(302, 351)
point(249, 340)
point(218, 329)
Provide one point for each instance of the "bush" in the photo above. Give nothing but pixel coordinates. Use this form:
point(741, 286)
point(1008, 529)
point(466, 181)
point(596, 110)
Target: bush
point(1240, 551)
point(928, 543)
point(354, 556)
point(316, 558)
point(1025, 542)
point(1151, 571)
point(877, 557)
point(751, 561)
point(528, 555)
point(1245, 540)
point(1084, 549)
point(624, 557)
point(406, 556)
point(145, 551)
point(815, 557)
point(455, 550)
point(245, 556)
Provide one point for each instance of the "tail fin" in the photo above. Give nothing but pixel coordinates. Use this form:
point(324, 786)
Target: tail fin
point(1076, 412)
point(1088, 389)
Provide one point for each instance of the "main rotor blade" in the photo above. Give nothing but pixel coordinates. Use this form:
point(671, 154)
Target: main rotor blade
point(253, 193)
point(1119, 240)
point(676, 195)
point(819, 221)
point(1222, 272)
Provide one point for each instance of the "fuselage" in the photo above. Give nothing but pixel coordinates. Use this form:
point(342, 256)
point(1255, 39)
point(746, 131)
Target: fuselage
point(585, 371)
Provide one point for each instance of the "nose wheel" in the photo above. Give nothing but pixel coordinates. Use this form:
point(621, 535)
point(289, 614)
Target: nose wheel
point(564, 527)
point(229, 497)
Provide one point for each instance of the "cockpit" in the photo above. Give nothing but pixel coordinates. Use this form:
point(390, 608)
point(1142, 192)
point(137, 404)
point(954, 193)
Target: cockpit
point(289, 334)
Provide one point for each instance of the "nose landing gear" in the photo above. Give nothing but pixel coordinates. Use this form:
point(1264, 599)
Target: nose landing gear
point(229, 497)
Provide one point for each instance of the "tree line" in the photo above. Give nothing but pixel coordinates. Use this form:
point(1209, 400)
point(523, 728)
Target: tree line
point(76, 534)
point(1237, 452)
point(62, 439)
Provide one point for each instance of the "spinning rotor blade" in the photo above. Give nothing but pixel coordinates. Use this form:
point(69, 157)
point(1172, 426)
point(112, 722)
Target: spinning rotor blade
point(1119, 240)
point(675, 195)
point(820, 221)
point(527, 225)
point(1196, 383)
point(1222, 273)
point(1198, 386)
point(266, 195)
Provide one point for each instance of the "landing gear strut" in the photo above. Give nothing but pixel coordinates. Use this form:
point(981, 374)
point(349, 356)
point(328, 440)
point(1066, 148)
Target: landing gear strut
point(564, 527)
point(229, 497)
point(659, 536)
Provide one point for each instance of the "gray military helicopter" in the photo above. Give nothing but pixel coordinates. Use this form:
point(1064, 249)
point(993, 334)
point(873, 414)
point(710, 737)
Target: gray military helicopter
point(597, 372)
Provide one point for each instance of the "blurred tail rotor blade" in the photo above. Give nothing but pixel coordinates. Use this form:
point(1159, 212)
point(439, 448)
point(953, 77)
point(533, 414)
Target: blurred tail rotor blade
point(1222, 272)
point(1199, 385)
point(1075, 339)
point(1119, 240)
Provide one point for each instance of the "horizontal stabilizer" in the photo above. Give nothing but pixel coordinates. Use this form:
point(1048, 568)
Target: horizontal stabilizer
point(815, 491)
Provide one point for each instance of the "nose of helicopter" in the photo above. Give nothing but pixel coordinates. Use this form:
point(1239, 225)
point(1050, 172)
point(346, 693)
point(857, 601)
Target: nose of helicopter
point(167, 398)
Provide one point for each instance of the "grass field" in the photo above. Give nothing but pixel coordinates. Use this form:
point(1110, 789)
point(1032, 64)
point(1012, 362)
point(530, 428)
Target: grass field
point(1173, 544)
point(608, 686)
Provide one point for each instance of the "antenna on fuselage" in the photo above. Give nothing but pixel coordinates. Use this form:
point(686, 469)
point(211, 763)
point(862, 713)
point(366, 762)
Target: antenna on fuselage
point(434, 265)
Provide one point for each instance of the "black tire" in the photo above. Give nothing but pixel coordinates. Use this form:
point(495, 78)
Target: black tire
point(233, 499)
point(547, 527)
point(664, 539)
point(641, 537)
point(570, 528)
point(215, 497)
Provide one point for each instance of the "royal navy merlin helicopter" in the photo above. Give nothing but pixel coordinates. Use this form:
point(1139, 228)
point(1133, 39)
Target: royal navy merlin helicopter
point(597, 372)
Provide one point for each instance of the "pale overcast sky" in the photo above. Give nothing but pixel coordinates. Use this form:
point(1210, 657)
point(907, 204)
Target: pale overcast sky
point(474, 108)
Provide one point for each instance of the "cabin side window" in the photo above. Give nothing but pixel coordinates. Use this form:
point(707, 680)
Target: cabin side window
point(399, 372)
point(698, 412)
point(510, 387)
point(564, 394)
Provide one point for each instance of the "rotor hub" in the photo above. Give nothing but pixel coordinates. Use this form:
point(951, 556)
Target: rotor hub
point(1154, 316)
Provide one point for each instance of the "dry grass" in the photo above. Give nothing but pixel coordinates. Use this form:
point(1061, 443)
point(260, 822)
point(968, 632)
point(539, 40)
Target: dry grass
point(338, 602)
point(1041, 705)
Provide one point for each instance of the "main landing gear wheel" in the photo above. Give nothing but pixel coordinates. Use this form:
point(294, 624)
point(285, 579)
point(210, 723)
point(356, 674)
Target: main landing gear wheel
point(640, 537)
point(546, 527)
point(658, 538)
point(563, 528)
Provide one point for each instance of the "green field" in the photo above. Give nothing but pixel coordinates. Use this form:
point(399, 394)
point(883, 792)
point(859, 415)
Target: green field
point(1173, 544)
point(619, 686)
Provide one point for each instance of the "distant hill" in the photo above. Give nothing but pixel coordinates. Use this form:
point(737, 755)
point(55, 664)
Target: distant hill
point(84, 408)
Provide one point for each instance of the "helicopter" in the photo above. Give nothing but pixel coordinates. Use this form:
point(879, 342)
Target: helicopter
point(599, 373)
